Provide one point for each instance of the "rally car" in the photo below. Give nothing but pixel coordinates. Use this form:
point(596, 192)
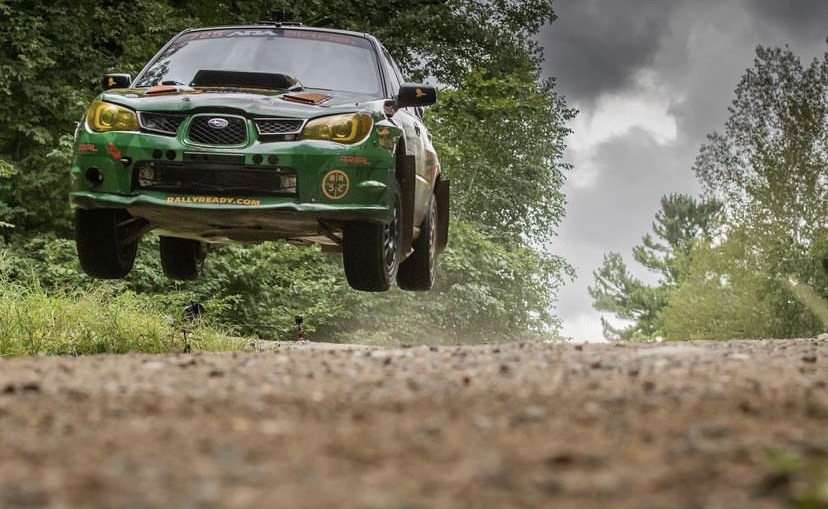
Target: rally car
point(271, 131)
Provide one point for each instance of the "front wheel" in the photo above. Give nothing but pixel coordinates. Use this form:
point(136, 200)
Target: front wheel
point(371, 251)
point(182, 259)
point(107, 242)
point(418, 270)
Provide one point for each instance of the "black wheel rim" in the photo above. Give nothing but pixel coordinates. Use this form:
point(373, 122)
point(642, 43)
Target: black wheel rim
point(432, 241)
point(391, 242)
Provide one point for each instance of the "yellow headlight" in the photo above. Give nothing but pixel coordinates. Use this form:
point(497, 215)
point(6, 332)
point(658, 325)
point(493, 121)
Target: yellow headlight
point(103, 117)
point(349, 128)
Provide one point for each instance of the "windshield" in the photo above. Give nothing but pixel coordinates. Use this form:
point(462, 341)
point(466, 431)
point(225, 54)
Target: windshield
point(321, 60)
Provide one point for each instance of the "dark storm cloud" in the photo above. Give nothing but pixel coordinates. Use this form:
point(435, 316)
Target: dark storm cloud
point(600, 219)
point(797, 17)
point(596, 46)
point(644, 170)
point(691, 55)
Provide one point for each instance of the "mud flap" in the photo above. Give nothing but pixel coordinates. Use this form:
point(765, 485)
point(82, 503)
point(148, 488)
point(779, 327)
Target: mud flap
point(441, 192)
point(407, 178)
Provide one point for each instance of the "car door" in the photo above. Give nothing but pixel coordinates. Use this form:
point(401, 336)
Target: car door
point(417, 142)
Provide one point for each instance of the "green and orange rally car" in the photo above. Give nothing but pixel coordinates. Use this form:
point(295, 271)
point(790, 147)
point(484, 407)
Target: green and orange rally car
point(272, 131)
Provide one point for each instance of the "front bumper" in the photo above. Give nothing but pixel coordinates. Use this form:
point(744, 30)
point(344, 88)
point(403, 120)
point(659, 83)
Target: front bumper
point(279, 189)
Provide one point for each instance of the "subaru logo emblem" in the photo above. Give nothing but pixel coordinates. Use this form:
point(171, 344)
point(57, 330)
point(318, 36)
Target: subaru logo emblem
point(218, 123)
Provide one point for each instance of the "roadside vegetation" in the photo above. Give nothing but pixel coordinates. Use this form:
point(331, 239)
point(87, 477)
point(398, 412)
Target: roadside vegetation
point(498, 126)
point(749, 258)
point(38, 322)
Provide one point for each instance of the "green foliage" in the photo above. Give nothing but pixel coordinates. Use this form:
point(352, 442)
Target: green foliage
point(7, 171)
point(486, 291)
point(770, 168)
point(759, 270)
point(256, 289)
point(680, 224)
point(501, 139)
point(444, 40)
point(500, 132)
point(52, 57)
point(730, 292)
point(801, 476)
point(34, 321)
point(769, 163)
point(720, 296)
point(817, 305)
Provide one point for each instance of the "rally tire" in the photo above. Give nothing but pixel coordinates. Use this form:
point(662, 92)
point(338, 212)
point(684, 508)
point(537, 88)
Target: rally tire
point(106, 242)
point(371, 250)
point(418, 270)
point(182, 259)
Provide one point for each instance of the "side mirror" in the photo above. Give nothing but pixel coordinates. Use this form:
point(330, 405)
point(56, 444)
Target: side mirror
point(416, 95)
point(116, 81)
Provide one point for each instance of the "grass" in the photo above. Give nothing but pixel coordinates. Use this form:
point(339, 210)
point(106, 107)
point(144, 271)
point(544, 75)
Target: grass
point(801, 477)
point(810, 299)
point(36, 322)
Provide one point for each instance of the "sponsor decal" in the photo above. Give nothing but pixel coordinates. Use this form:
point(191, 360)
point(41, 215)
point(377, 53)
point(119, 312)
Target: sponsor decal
point(87, 147)
point(345, 39)
point(384, 138)
point(114, 151)
point(357, 160)
point(213, 200)
point(335, 184)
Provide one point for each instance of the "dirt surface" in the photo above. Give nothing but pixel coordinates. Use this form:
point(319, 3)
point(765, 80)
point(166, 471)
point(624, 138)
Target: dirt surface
point(739, 424)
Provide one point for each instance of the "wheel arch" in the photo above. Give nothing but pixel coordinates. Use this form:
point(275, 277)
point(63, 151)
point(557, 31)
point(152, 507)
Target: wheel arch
point(442, 191)
point(405, 172)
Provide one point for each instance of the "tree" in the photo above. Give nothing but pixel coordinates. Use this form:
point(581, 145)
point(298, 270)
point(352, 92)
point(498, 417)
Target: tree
point(770, 168)
point(499, 129)
point(680, 224)
point(487, 291)
point(51, 61)
point(727, 292)
point(501, 139)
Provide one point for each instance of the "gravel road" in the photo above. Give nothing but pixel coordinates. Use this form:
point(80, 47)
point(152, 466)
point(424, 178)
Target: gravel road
point(736, 424)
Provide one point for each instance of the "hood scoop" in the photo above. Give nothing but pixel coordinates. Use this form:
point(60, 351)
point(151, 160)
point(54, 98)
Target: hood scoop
point(163, 90)
point(311, 98)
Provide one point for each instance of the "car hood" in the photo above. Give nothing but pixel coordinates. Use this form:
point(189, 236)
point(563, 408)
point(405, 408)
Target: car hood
point(300, 104)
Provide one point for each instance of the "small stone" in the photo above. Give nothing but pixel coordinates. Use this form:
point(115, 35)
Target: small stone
point(531, 413)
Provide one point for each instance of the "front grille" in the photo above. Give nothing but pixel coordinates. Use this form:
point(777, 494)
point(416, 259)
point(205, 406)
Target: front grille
point(214, 179)
point(162, 123)
point(218, 130)
point(277, 126)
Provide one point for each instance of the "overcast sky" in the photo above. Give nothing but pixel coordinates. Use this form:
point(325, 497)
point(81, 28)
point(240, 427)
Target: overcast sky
point(650, 78)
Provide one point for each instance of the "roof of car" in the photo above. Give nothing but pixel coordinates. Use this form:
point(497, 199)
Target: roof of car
point(281, 25)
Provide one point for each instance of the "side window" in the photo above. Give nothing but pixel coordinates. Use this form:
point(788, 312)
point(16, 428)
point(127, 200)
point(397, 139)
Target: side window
point(393, 72)
point(396, 80)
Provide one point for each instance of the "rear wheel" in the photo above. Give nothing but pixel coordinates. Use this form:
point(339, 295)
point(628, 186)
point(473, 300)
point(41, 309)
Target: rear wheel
point(371, 251)
point(107, 242)
point(182, 258)
point(418, 270)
